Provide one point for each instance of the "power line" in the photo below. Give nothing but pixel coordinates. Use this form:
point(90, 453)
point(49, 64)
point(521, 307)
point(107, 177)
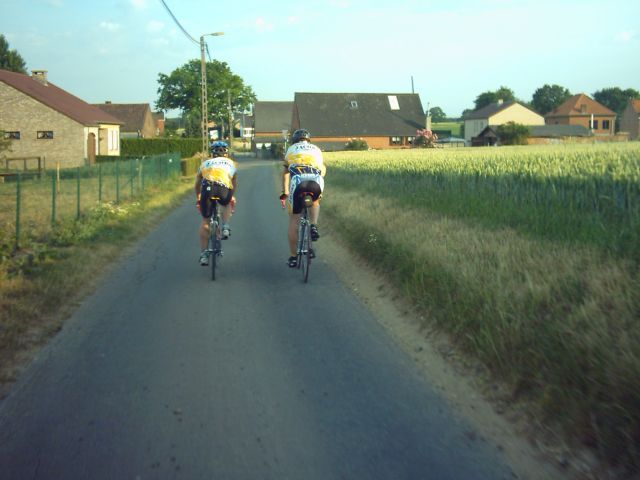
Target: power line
point(178, 23)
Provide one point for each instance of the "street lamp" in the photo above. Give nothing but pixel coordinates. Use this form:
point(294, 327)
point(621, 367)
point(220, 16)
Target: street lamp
point(203, 94)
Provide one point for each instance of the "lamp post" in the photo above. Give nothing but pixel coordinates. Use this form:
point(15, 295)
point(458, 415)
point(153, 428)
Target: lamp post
point(203, 94)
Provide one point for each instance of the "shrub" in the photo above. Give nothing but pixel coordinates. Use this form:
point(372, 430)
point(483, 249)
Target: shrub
point(356, 144)
point(425, 139)
point(512, 133)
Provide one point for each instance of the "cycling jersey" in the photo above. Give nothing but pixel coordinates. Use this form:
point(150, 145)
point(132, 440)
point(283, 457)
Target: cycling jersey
point(219, 169)
point(303, 158)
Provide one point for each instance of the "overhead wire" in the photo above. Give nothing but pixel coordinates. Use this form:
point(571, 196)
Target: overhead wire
point(178, 23)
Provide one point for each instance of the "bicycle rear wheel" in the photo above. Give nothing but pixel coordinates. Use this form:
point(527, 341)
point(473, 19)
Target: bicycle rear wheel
point(305, 260)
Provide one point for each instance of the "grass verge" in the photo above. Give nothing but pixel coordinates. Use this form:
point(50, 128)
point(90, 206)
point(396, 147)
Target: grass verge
point(558, 323)
point(42, 282)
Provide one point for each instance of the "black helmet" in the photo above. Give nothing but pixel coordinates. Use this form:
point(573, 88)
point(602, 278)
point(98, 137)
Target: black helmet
point(219, 147)
point(300, 135)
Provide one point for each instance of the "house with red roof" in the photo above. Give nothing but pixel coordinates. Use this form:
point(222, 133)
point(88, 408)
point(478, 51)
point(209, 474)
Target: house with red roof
point(138, 119)
point(582, 110)
point(49, 126)
point(630, 121)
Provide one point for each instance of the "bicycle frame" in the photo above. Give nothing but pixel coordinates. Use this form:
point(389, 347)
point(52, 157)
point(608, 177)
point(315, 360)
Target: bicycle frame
point(214, 247)
point(304, 236)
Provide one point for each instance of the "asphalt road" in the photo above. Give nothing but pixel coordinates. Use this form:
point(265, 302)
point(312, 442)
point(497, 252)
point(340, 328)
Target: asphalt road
point(164, 374)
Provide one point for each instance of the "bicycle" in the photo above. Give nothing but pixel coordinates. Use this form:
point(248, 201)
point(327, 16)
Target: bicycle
point(304, 250)
point(214, 246)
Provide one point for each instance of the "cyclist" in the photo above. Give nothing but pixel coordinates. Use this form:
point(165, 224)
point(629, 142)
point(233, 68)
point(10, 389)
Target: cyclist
point(304, 171)
point(218, 172)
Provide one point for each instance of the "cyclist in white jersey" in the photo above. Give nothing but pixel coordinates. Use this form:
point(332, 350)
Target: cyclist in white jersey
point(219, 172)
point(304, 171)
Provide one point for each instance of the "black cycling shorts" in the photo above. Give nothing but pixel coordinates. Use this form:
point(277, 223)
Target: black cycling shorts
point(307, 186)
point(211, 190)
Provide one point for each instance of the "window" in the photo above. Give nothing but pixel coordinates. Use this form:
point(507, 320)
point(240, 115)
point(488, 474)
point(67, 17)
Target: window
point(45, 134)
point(605, 124)
point(595, 125)
point(410, 140)
point(393, 102)
point(395, 141)
point(12, 135)
point(354, 104)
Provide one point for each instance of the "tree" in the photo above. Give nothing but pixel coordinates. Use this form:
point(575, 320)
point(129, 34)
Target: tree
point(10, 59)
point(512, 133)
point(437, 115)
point(181, 90)
point(487, 98)
point(549, 97)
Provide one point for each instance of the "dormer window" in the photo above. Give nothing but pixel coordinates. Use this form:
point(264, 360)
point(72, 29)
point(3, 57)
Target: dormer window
point(354, 104)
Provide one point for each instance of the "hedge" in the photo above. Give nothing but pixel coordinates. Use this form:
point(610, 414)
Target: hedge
point(135, 147)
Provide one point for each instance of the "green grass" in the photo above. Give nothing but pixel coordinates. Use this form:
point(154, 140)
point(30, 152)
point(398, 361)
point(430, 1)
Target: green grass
point(453, 126)
point(529, 267)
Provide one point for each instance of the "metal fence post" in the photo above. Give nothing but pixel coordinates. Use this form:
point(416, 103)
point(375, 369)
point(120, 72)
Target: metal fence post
point(100, 183)
point(131, 175)
point(78, 195)
point(18, 199)
point(117, 181)
point(54, 198)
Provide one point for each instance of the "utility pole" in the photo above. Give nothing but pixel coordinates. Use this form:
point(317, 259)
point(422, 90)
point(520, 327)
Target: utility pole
point(203, 95)
point(230, 118)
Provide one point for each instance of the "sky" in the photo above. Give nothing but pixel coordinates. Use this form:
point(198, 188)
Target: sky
point(448, 52)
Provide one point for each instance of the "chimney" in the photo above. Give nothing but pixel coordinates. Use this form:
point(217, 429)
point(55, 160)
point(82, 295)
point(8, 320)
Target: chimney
point(39, 75)
point(107, 102)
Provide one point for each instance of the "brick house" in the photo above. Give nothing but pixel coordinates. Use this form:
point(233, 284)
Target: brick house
point(50, 126)
point(582, 110)
point(138, 120)
point(383, 120)
point(494, 115)
point(270, 119)
point(630, 121)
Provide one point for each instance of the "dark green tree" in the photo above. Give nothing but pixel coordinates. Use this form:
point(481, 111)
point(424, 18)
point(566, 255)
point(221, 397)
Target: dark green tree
point(512, 133)
point(549, 97)
point(180, 90)
point(615, 98)
point(487, 98)
point(437, 114)
point(10, 59)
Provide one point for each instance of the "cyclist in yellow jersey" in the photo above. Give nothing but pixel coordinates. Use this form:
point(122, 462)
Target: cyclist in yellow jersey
point(304, 171)
point(218, 172)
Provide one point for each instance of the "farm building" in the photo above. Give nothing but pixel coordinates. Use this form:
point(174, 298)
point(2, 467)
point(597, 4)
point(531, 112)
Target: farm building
point(496, 114)
point(49, 126)
point(138, 120)
point(582, 110)
point(270, 120)
point(630, 121)
point(383, 120)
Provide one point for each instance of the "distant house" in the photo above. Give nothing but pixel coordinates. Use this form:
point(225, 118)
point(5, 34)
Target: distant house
point(547, 134)
point(496, 114)
point(582, 110)
point(158, 120)
point(138, 121)
point(630, 121)
point(270, 120)
point(49, 126)
point(383, 120)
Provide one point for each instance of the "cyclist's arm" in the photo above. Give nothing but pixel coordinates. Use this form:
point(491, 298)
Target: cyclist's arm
point(234, 183)
point(285, 180)
point(198, 184)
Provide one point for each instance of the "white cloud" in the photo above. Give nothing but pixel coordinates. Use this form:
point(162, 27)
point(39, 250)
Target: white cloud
point(160, 42)
point(155, 26)
point(139, 4)
point(625, 36)
point(110, 26)
point(263, 25)
point(293, 19)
